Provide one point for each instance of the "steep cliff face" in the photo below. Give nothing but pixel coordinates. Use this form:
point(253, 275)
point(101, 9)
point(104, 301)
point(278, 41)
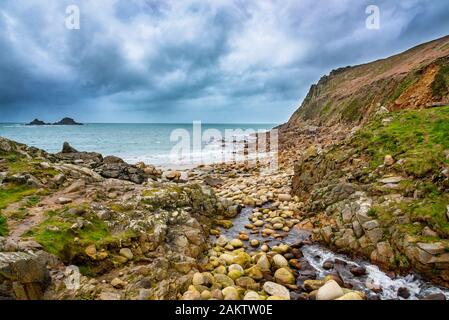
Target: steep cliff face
point(380, 191)
point(413, 79)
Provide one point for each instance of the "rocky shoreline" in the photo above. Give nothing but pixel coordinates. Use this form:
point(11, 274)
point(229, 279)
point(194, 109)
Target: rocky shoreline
point(88, 227)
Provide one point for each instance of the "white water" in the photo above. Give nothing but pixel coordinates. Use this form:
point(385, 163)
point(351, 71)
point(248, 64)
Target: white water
point(316, 255)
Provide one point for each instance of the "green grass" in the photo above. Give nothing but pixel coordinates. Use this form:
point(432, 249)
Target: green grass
point(12, 193)
point(57, 237)
point(17, 163)
point(406, 83)
point(440, 86)
point(3, 226)
point(420, 137)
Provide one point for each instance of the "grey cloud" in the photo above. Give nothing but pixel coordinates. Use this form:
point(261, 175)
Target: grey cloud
point(148, 60)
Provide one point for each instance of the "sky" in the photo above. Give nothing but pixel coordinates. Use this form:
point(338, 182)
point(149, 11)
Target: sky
point(235, 61)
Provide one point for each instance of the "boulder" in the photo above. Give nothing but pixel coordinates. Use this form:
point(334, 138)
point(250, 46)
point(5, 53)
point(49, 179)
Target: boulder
point(330, 291)
point(283, 275)
point(26, 273)
point(277, 290)
point(279, 261)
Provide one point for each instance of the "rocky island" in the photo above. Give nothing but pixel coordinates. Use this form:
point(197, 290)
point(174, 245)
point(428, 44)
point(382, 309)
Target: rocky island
point(62, 122)
point(363, 171)
point(37, 122)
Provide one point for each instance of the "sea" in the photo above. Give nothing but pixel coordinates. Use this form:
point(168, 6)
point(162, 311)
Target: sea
point(160, 144)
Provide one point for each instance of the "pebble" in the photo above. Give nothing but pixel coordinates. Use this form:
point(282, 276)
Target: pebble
point(279, 261)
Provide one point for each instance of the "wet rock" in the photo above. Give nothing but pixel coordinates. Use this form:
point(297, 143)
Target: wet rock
point(283, 275)
point(330, 291)
point(252, 295)
point(435, 296)
point(312, 285)
point(230, 293)
point(191, 295)
point(328, 264)
point(277, 290)
point(403, 293)
point(213, 182)
point(350, 296)
point(279, 261)
point(358, 271)
point(284, 197)
point(236, 243)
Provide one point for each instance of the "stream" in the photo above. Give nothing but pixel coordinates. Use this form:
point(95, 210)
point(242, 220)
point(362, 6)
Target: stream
point(375, 283)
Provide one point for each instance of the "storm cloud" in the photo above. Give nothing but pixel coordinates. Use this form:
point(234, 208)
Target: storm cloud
point(178, 61)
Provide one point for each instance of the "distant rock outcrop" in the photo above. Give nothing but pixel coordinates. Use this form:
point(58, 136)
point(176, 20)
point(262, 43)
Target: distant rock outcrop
point(64, 122)
point(67, 122)
point(37, 122)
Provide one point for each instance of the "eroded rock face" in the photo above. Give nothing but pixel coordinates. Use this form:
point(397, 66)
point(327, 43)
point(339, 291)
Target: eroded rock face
point(23, 276)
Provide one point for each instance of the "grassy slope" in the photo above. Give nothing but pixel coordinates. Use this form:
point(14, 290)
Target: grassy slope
point(420, 138)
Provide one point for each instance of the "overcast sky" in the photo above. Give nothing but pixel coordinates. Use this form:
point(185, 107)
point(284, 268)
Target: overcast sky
point(178, 61)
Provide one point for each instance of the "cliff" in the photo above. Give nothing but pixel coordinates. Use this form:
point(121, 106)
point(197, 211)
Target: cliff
point(413, 79)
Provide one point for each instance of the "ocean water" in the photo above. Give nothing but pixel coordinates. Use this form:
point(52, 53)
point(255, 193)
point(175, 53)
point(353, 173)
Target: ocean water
point(151, 143)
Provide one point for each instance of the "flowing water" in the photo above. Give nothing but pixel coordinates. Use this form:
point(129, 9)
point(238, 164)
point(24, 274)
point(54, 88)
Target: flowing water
point(152, 143)
point(316, 255)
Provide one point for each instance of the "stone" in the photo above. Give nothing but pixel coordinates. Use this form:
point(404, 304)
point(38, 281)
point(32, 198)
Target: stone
point(375, 235)
point(247, 283)
point(236, 243)
point(91, 251)
point(230, 293)
point(263, 263)
point(358, 230)
point(403, 293)
point(328, 264)
point(435, 296)
point(283, 275)
point(236, 267)
point(254, 243)
point(312, 285)
point(109, 296)
point(243, 237)
point(27, 271)
point(391, 180)
point(198, 279)
point(118, 283)
point(369, 225)
point(222, 241)
point(279, 261)
point(277, 290)
point(350, 296)
point(326, 233)
point(224, 280)
point(191, 295)
point(255, 272)
point(284, 197)
point(242, 258)
point(216, 294)
point(235, 274)
point(252, 295)
point(388, 160)
point(67, 148)
point(329, 291)
point(64, 200)
point(206, 295)
point(358, 271)
point(427, 232)
point(126, 253)
point(433, 248)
